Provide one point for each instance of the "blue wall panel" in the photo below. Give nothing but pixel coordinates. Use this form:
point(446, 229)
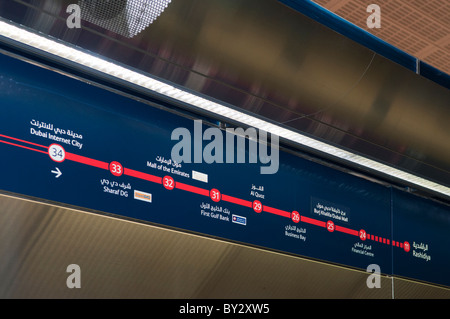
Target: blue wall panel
point(344, 219)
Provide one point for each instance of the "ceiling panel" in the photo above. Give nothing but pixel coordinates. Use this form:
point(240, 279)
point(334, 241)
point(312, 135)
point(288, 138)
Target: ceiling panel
point(420, 28)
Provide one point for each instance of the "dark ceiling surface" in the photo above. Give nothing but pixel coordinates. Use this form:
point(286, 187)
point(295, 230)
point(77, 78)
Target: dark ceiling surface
point(263, 57)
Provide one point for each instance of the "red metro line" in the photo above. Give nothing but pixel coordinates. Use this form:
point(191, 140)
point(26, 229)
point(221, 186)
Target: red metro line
point(57, 153)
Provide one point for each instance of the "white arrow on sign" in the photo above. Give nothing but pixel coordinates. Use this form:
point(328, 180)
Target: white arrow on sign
point(57, 172)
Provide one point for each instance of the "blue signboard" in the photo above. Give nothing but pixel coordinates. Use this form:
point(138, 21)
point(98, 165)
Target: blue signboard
point(426, 224)
point(66, 141)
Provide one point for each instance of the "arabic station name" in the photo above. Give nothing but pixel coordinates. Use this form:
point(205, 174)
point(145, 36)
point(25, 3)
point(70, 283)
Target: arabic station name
point(420, 250)
point(167, 165)
point(47, 130)
point(215, 211)
point(113, 187)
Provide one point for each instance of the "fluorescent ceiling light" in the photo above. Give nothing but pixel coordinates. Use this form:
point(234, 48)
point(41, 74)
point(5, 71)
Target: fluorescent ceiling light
point(88, 60)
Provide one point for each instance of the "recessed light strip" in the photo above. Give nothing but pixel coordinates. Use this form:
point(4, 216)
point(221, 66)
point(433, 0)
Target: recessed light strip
point(82, 58)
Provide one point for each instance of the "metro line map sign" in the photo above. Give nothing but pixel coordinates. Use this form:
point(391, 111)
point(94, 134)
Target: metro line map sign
point(68, 142)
